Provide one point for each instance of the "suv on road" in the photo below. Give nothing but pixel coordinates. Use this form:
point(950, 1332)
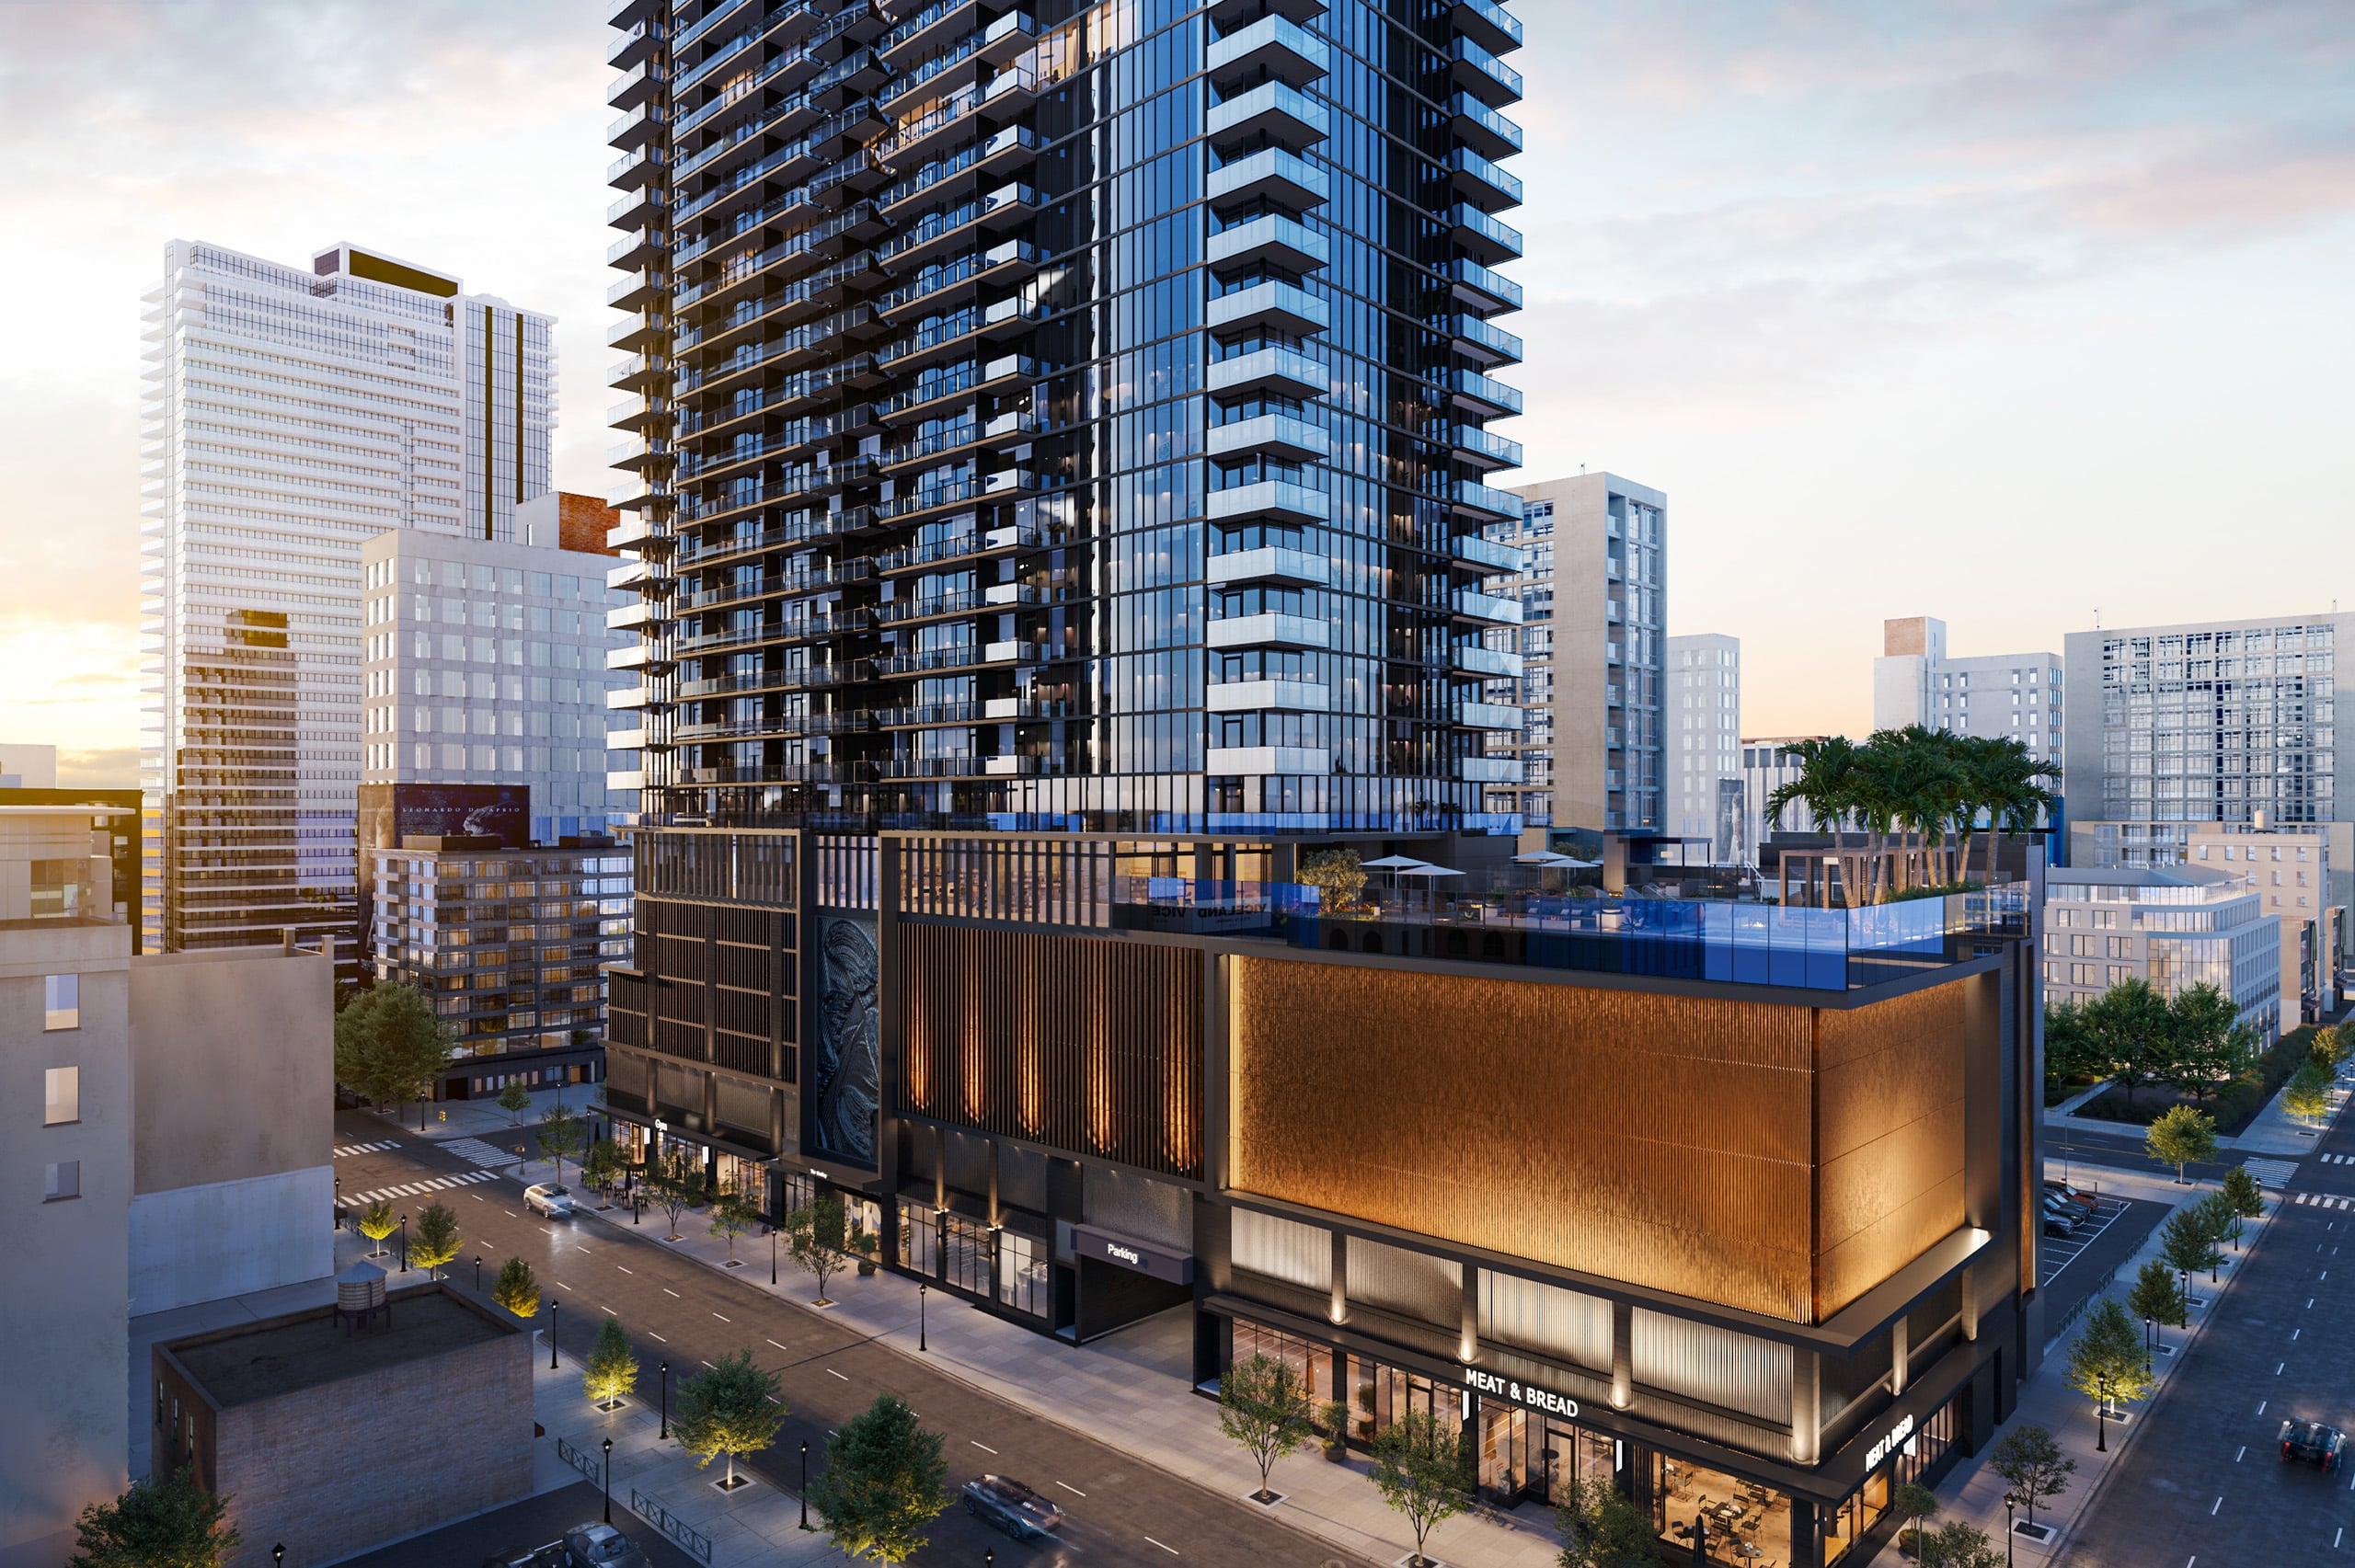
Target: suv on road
point(547, 1198)
point(1012, 1507)
point(2314, 1444)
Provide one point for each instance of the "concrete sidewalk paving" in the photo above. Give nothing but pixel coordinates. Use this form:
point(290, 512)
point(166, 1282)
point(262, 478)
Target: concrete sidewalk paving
point(1974, 1493)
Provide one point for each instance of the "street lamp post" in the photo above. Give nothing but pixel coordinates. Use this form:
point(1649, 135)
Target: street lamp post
point(278, 1554)
point(805, 1485)
point(920, 1343)
point(478, 1274)
point(2011, 1501)
point(2101, 1414)
point(772, 1254)
point(404, 1244)
point(554, 1307)
point(609, 1481)
point(338, 1216)
point(666, 1402)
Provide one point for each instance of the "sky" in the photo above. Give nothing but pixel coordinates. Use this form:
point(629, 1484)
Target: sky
point(2017, 314)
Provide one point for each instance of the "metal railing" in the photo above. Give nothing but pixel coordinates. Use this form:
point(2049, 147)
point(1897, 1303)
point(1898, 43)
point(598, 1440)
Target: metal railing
point(678, 1529)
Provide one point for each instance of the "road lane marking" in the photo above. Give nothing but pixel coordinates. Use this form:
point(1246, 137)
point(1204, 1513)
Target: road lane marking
point(1165, 1547)
point(578, 1248)
point(477, 1197)
point(561, 1285)
point(2335, 1535)
point(2218, 1503)
point(723, 1316)
point(1073, 1490)
point(668, 1291)
point(509, 1212)
point(714, 1368)
point(2276, 1368)
point(773, 1342)
point(651, 1334)
point(2242, 1455)
point(624, 1268)
point(2260, 1406)
point(832, 1373)
point(983, 1447)
point(2310, 1303)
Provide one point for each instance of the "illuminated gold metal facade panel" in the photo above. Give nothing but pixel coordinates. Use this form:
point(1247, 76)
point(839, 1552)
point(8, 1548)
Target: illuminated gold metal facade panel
point(1080, 1044)
point(1664, 1141)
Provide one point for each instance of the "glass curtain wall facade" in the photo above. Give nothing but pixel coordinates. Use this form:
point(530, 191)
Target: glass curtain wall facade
point(289, 414)
point(1064, 418)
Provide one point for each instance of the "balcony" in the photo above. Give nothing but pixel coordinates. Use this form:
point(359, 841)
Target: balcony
point(1469, 604)
point(1269, 562)
point(1275, 499)
point(1273, 45)
point(638, 291)
point(1276, 435)
point(1258, 761)
point(1485, 239)
point(1287, 117)
point(1488, 770)
point(1484, 398)
point(1269, 697)
point(1227, 14)
point(1482, 291)
point(1487, 24)
point(1279, 305)
point(928, 32)
point(1483, 449)
point(638, 42)
point(1267, 629)
point(1471, 658)
point(1012, 89)
point(1482, 129)
point(1009, 38)
point(1489, 716)
point(638, 167)
point(635, 249)
point(1285, 371)
point(964, 547)
point(1488, 554)
point(631, 617)
point(635, 128)
point(637, 207)
point(1273, 174)
point(1482, 75)
point(1485, 345)
point(994, 598)
point(639, 332)
point(1485, 185)
point(1485, 503)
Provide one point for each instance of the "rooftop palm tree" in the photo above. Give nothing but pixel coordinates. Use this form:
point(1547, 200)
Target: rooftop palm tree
point(1826, 787)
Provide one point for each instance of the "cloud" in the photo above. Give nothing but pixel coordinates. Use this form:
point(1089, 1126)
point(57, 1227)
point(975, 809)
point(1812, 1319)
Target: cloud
point(111, 768)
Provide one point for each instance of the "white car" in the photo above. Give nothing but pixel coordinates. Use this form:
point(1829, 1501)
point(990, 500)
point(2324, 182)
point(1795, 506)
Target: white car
point(547, 1198)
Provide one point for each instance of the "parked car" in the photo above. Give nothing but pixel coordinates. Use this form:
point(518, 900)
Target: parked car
point(2059, 1224)
point(583, 1546)
point(547, 1198)
point(2075, 1195)
point(2313, 1443)
point(1012, 1507)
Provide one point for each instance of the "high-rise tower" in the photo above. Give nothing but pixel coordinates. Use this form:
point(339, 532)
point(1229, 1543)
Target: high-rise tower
point(288, 416)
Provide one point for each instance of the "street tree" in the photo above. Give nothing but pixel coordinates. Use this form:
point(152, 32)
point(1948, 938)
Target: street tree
point(514, 1099)
point(2071, 1051)
point(2182, 1136)
point(437, 1237)
point(2131, 1032)
point(818, 1237)
point(1419, 1469)
point(602, 1168)
point(2220, 1222)
point(2208, 1041)
point(729, 1409)
point(611, 1371)
point(2157, 1295)
point(2247, 1198)
point(563, 1134)
point(678, 1182)
point(1263, 1406)
point(1913, 1505)
point(173, 1523)
point(1601, 1529)
point(2307, 1095)
point(884, 1483)
point(2107, 1364)
point(732, 1214)
point(377, 1222)
point(2186, 1244)
point(2032, 1465)
point(2330, 1047)
point(517, 1289)
point(390, 1045)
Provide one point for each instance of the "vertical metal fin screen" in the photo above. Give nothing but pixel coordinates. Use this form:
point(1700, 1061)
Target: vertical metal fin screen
point(1082, 1045)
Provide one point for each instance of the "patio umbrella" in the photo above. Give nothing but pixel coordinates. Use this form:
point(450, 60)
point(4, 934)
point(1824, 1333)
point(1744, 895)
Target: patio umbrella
point(1391, 863)
point(1419, 869)
point(1541, 857)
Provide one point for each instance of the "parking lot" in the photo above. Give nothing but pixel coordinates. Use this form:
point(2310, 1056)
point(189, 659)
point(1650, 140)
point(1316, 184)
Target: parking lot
point(2060, 1252)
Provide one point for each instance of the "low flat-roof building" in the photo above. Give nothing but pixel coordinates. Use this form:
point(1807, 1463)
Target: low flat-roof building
point(2177, 928)
point(421, 1415)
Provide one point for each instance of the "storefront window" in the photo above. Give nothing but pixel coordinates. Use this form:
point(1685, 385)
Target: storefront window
point(1748, 1524)
point(1504, 1451)
point(1577, 1453)
point(965, 1252)
point(749, 1177)
point(1396, 1391)
point(1314, 1362)
point(919, 1239)
point(1851, 1518)
point(1024, 1275)
point(1913, 1459)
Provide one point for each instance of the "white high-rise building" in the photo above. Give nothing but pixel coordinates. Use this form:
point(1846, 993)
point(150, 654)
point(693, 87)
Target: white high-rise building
point(2007, 697)
point(288, 416)
point(1703, 720)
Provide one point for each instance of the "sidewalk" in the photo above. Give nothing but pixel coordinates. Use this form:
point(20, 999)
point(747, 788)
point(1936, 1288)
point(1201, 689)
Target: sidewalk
point(485, 1119)
point(1975, 1493)
point(2271, 1131)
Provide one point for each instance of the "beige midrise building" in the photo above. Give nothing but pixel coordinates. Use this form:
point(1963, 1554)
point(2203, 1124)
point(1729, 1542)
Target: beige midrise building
point(168, 1122)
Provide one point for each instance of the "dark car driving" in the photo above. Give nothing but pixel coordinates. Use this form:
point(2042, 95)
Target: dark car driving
point(1012, 1507)
point(2310, 1442)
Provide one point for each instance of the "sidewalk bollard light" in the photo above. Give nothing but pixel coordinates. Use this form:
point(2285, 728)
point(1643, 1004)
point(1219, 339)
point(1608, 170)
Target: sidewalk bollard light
point(554, 1307)
point(2011, 1501)
point(609, 1481)
point(666, 1402)
point(404, 1244)
point(805, 1485)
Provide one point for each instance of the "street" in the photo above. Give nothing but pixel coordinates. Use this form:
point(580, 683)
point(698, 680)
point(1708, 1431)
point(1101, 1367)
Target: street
point(1118, 1510)
point(2203, 1485)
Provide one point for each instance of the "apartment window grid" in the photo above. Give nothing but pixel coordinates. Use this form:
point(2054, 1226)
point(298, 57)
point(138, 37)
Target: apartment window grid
point(2219, 725)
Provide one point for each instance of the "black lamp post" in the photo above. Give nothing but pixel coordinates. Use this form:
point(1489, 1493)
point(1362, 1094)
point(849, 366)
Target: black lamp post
point(404, 1244)
point(338, 1216)
point(920, 1342)
point(478, 1274)
point(2101, 1414)
point(519, 1162)
point(772, 1254)
point(2011, 1501)
point(666, 1402)
point(278, 1554)
point(988, 1558)
point(609, 1481)
point(554, 1307)
point(805, 1485)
